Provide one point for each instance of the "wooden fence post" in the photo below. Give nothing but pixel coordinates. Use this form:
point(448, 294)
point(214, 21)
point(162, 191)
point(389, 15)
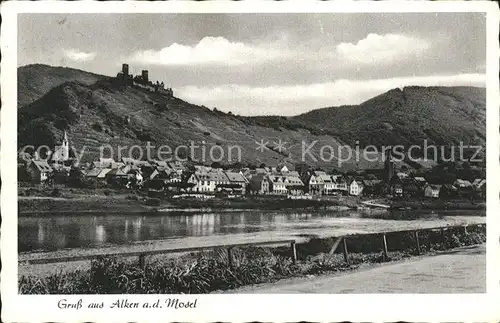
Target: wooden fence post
point(294, 252)
point(230, 257)
point(384, 240)
point(443, 238)
point(335, 246)
point(418, 243)
point(142, 261)
point(346, 254)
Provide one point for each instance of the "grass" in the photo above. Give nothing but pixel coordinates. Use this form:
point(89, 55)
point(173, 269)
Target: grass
point(209, 271)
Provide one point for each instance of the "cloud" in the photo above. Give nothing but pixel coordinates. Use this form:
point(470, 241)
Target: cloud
point(376, 49)
point(296, 99)
point(212, 50)
point(79, 56)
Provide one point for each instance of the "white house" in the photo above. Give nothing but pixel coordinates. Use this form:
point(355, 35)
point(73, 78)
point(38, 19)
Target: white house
point(294, 184)
point(277, 185)
point(432, 191)
point(325, 182)
point(339, 183)
point(207, 180)
point(193, 179)
point(282, 169)
point(355, 188)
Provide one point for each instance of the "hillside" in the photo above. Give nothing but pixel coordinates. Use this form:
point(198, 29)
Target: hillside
point(102, 112)
point(442, 115)
point(95, 115)
point(35, 80)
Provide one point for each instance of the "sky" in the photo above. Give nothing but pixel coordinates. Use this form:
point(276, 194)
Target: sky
point(266, 64)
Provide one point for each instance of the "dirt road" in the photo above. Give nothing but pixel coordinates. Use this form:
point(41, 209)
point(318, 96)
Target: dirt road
point(462, 270)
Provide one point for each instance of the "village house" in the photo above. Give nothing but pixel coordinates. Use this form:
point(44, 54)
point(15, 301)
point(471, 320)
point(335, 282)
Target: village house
point(432, 190)
point(218, 179)
point(397, 190)
point(479, 186)
point(250, 173)
point(464, 187)
point(324, 181)
point(94, 172)
point(420, 181)
point(410, 188)
point(312, 185)
point(39, 171)
point(462, 183)
point(277, 185)
point(200, 179)
point(339, 183)
point(194, 180)
point(208, 180)
point(294, 185)
point(402, 175)
point(355, 187)
point(107, 163)
point(478, 183)
point(259, 184)
point(102, 174)
point(238, 181)
point(166, 177)
point(282, 169)
point(117, 176)
point(134, 178)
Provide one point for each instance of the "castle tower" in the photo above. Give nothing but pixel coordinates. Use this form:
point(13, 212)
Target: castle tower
point(145, 76)
point(125, 71)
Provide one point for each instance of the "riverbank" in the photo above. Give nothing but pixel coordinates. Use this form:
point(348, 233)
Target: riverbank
point(66, 200)
point(436, 204)
point(318, 228)
point(209, 271)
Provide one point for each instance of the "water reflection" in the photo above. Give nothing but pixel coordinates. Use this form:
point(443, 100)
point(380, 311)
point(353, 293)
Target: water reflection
point(58, 232)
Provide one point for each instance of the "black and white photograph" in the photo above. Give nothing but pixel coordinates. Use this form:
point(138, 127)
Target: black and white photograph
point(181, 153)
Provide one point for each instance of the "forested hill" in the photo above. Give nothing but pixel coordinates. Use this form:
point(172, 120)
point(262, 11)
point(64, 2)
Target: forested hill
point(95, 111)
point(442, 115)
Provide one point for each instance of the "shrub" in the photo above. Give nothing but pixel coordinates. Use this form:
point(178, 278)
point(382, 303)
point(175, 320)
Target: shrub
point(55, 192)
point(153, 202)
point(107, 192)
point(209, 271)
point(97, 127)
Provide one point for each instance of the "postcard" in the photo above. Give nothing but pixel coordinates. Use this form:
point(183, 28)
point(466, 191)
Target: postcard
point(250, 161)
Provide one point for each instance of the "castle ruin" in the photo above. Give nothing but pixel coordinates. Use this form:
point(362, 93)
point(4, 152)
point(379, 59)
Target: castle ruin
point(142, 81)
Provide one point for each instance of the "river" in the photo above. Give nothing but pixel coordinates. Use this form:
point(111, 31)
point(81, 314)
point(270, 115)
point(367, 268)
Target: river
point(57, 232)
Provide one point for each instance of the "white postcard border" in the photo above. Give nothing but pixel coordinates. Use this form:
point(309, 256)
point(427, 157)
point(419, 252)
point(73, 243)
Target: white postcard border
point(360, 307)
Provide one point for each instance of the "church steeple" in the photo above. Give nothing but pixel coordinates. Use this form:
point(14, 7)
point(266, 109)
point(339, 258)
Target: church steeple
point(65, 147)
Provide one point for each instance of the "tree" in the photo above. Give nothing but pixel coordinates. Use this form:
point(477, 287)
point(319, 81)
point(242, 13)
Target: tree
point(216, 165)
